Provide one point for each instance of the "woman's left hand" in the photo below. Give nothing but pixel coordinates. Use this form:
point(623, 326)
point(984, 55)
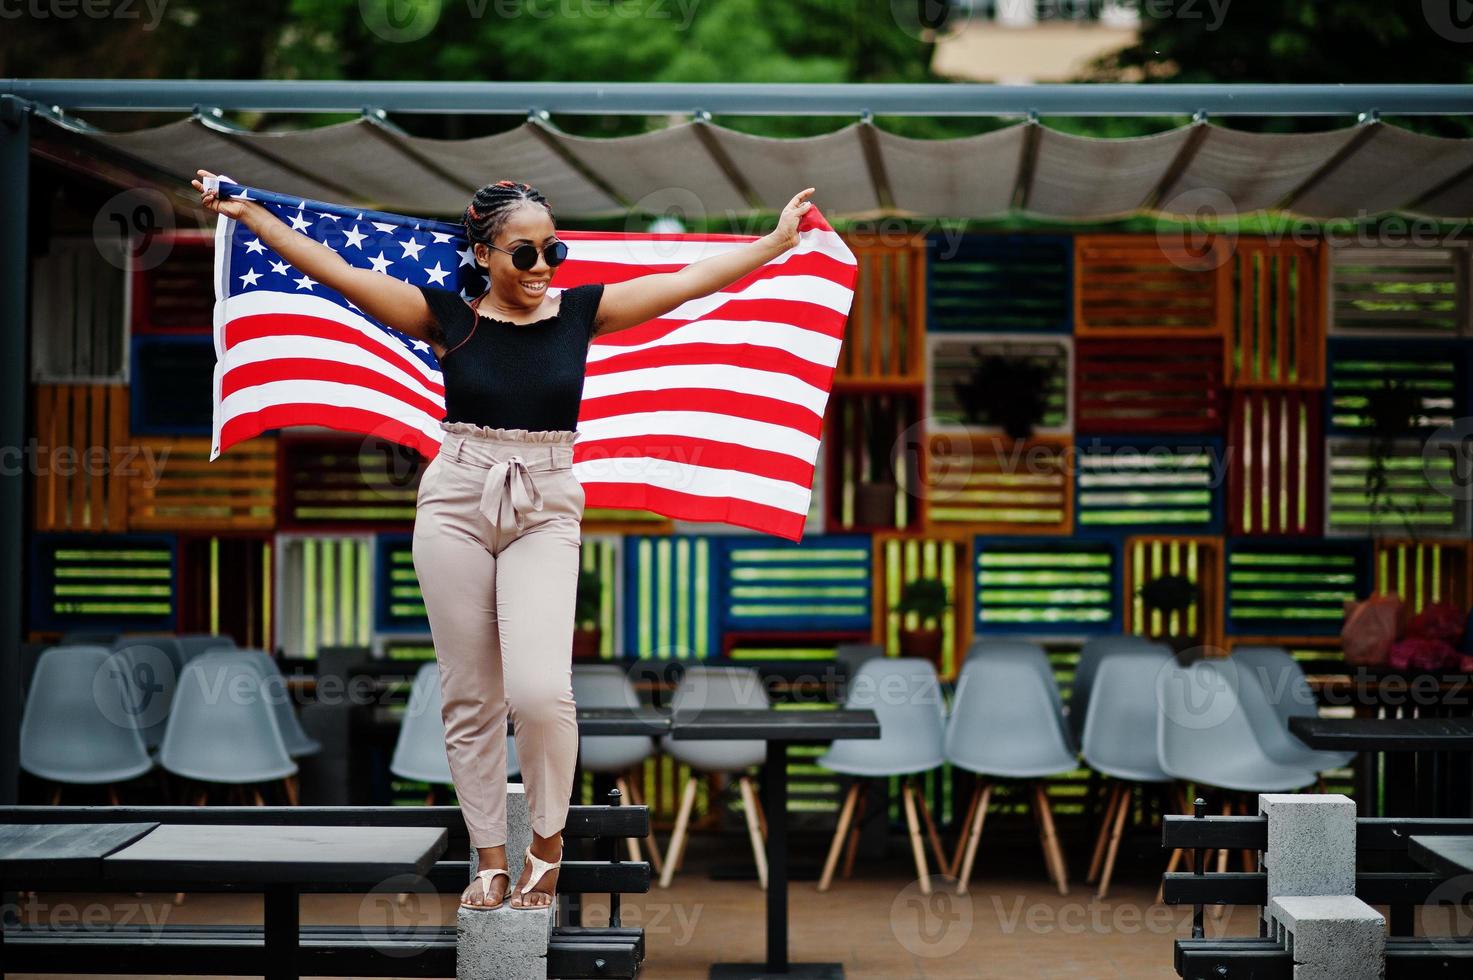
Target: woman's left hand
point(787, 222)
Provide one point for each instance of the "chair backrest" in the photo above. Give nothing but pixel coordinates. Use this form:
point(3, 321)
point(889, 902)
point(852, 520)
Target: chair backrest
point(1282, 679)
point(154, 664)
point(1006, 717)
point(1096, 650)
point(854, 656)
point(703, 686)
point(275, 689)
point(222, 726)
point(419, 751)
point(1119, 736)
point(1262, 709)
point(194, 644)
point(1203, 725)
point(81, 718)
point(1037, 658)
point(603, 686)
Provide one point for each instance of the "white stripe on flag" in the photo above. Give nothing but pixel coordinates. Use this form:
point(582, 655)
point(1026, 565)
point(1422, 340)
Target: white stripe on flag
point(721, 377)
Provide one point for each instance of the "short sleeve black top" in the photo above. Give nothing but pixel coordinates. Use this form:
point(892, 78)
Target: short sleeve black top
point(515, 375)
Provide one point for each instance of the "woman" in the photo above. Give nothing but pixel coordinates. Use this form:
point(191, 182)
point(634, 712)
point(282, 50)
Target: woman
point(498, 518)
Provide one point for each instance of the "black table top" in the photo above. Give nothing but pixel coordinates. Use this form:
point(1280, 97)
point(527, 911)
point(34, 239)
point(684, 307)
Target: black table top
point(181, 854)
point(1385, 734)
point(1451, 856)
point(623, 721)
point(71, 851)
point(775, 724)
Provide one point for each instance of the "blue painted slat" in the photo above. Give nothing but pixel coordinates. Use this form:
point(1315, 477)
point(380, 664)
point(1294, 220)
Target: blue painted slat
point(171, 385)
point(1046, 586)
point(398, 606)
point(121, 582)
point(1292, 586)
point(822, 583)
point(1161, 485)
point(1007, 283)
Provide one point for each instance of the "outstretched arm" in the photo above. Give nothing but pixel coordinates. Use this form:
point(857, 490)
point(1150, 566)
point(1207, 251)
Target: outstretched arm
point(635, 301)
point(390, 301)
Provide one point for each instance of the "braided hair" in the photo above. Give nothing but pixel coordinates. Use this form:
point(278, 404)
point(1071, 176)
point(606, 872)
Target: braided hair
point(487, 213)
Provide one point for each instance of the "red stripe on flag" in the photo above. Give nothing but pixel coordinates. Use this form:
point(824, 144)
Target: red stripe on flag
point(294, 369)
point(277, 325)
point(691, 507)
point(717, 401)
point(621, 457)
point(248, 425)
point(754, 356)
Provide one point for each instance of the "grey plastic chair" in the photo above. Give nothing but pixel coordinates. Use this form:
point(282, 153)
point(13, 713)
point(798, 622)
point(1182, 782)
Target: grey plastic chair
point(1273, 689)
point(1037, 657)
point(221, 728)
point(194, 644)
point(298, 743)
point(1007, 723)
point(154, 664)
point(854, 656)
point(609, 686)
point(78, 727)
point(1095, 650)
point(905, 695)
point(716, 687)
point(1205, 736)
point(1119, 741)
point(419, 751)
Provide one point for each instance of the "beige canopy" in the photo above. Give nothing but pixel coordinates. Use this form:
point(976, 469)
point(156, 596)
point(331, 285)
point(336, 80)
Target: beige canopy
point(860, 170)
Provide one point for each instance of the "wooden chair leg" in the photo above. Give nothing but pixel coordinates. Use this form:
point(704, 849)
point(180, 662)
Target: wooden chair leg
point(954, 865)
point(841, 832)
point(917, 849)
point(1123, 812)
point(55, 794)
point(291, 791)
point(974, 835)
point(749, 805)
point(852, 848)
point(112, 794)
point(678, 835)
point(636, 848)
point(931, 834)
point(256, 791)
point(1051, 838)
point(1103, 836)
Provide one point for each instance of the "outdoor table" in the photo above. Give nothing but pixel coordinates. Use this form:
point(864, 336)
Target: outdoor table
point(778, 728)
point(1368, 735)
point(1447, 855)
point(275, 860)
point(63, 853)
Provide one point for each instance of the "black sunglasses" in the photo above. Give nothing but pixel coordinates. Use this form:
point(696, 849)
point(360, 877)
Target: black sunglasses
point(525, 256)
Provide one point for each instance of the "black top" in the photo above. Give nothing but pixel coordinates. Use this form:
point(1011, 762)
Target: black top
point(515, 375)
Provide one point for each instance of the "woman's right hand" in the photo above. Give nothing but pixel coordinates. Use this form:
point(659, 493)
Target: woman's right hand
point(230, 207)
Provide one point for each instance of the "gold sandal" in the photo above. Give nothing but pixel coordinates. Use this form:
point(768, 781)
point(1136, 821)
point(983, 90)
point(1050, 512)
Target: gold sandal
point(539, 868)
point(484, 876)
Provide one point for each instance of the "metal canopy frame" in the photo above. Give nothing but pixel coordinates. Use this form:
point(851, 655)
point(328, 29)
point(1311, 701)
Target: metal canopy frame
point(61, 99)
point(748, 99)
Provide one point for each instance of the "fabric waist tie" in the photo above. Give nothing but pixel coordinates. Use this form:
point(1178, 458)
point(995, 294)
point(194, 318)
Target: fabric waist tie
point(510, 493)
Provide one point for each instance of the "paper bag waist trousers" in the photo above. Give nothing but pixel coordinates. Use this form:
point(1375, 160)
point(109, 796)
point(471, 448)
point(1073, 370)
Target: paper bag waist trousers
point(497, 535)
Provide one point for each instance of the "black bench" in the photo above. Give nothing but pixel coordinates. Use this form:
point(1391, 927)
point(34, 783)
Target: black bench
point(613, 951)
point(1390, 879)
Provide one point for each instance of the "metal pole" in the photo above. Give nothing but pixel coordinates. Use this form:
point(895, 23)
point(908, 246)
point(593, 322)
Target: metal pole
point(14, 265)
point(758, 98)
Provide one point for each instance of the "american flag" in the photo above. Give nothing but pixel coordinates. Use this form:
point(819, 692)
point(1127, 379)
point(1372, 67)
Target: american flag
point(710, 413)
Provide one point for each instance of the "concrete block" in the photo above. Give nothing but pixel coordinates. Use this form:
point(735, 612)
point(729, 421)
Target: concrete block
point(1311, 843)
point(506, 943)
point(1331, 937)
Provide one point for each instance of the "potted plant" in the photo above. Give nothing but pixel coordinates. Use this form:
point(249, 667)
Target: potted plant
point(1169, 594)
point(1393, 412)
point(928, 600)
point(1010, 391)
point(874, 494)
point(586, 631)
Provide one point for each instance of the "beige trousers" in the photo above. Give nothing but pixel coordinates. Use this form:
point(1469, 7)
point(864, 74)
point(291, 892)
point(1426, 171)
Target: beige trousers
point(497, 533)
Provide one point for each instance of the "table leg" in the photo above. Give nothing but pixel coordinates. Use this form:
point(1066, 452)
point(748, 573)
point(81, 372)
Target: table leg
point(283, 932)
point(775, 804)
